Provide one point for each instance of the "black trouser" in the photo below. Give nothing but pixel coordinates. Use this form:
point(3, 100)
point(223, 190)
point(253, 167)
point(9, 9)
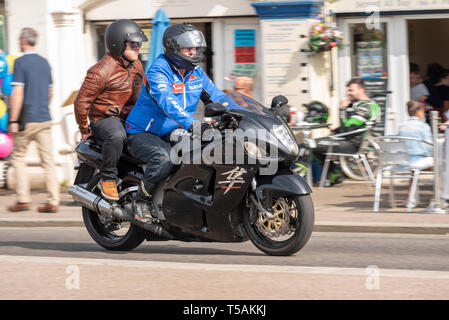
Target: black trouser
point(343, 146)
point(110, 132)
point(155, 152)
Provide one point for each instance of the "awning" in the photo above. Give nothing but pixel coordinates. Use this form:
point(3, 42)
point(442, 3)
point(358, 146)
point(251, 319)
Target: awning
point(145, 9)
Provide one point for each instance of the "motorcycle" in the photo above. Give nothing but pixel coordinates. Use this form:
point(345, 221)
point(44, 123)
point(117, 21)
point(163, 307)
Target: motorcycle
point(208, 201)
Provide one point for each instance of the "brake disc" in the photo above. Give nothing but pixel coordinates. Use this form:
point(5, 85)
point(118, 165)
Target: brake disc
point(278, 224)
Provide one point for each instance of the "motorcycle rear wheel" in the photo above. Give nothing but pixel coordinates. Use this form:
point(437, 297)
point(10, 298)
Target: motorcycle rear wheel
point(296, 220)
point(110, 239)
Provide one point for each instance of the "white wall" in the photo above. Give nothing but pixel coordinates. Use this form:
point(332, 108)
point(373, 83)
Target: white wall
point(60, 28)
point(25, 13)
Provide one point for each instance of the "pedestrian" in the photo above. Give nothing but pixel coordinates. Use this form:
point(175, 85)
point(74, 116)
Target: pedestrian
point(244, 85)
point(30, 120)
point(107, 95)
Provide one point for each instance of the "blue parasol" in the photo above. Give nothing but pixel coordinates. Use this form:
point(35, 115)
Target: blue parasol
point(160, 23)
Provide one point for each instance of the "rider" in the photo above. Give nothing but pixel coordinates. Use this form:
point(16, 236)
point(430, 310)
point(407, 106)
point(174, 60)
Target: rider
point(357, 109)
point(172, 88)
point(108, 94)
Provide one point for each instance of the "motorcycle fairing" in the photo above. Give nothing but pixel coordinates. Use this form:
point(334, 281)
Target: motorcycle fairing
point(201, 200)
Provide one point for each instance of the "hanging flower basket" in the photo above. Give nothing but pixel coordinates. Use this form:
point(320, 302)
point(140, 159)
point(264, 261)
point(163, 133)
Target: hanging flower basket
point(324, 37)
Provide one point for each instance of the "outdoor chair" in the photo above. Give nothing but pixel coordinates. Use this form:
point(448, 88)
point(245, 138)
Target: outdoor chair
point(359, 157)
point(394, 158)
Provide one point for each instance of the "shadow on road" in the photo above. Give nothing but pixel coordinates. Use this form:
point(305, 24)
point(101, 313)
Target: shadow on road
point(143, 249)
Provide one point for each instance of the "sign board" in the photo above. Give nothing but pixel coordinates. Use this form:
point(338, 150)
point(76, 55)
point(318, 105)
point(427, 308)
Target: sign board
point(245, 53)
point(387, 5)
point(284, 63)
point(369, 59)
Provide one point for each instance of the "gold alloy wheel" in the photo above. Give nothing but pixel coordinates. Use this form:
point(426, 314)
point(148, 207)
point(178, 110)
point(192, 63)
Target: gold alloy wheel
point(279, 223)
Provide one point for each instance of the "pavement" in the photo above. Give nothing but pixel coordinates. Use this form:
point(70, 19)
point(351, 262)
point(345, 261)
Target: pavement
point(346, 207)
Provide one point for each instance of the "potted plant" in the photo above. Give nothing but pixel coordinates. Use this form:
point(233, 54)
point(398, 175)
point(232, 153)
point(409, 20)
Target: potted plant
point(323, 37)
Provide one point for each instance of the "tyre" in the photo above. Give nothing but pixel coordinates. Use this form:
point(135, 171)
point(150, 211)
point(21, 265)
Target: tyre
point(287, 231)
point(350, 167)
point(111, 235)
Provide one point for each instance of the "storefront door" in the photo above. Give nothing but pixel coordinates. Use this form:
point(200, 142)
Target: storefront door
point(366, 56)
point(393, 65)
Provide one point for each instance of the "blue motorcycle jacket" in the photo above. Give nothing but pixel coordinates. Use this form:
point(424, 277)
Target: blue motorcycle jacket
point(167, 100)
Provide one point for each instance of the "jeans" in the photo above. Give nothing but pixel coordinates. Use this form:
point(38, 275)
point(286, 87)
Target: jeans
point(155, 152)
point(110, 132)
point(343, 146)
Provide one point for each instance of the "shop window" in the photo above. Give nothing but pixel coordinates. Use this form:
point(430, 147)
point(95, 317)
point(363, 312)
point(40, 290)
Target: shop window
point(368, 50)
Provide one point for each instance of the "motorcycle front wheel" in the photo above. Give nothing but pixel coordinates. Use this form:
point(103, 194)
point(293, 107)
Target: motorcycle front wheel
point(115, 236)
point(286, 230)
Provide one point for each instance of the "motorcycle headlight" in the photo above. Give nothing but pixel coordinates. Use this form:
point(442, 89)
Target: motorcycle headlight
point(253, 150)
point(284, 136)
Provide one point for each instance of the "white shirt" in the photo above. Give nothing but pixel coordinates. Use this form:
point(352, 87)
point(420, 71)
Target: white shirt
point(418, 91)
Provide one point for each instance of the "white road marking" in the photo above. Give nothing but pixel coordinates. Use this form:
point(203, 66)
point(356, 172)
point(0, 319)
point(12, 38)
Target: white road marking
point(395, 273)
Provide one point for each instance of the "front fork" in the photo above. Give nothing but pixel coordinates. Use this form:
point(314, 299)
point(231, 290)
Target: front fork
point(262, 202)
point(285, 182)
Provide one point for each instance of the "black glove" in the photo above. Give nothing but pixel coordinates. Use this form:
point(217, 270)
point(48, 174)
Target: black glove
point(228, 121)
point(197, 129)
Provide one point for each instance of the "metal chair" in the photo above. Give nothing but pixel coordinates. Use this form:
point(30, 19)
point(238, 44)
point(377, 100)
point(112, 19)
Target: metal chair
point(394, 158)
point(359, 157)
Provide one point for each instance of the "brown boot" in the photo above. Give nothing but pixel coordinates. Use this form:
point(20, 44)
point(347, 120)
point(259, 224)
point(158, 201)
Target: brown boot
point(19, 206)
point(48, 208)
point(108, 189)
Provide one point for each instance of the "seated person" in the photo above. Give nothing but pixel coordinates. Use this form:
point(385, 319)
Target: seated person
point(108, 93)
point(433, 100)
point(420, 154)
point(442, 87)
point(171, 90)
point(357, 110)
point(418, 90)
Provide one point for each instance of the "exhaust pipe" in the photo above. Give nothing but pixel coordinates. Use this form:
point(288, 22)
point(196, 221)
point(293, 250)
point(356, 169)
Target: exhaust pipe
point(98, 204)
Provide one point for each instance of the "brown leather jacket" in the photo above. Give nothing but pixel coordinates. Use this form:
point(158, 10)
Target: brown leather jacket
point(110, 88)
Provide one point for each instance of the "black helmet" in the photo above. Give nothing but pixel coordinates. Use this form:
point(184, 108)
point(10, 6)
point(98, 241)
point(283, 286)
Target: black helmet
point(317, 112)
point(121, 31)
point(183, 35)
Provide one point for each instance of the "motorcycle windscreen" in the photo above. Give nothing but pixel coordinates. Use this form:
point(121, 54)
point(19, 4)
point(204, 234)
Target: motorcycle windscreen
point(239, 101)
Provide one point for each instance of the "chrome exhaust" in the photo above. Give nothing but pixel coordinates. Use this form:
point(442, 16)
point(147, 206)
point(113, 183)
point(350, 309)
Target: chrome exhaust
point(98, 204)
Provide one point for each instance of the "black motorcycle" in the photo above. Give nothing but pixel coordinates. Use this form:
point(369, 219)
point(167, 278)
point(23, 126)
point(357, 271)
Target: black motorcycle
point(222, 201)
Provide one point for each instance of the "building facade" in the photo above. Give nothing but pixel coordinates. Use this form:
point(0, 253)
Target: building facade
point(265, 39)
point(384, 37)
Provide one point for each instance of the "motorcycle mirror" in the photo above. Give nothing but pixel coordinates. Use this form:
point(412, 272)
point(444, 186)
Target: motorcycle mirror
point(278, 101)
point(214, 109)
